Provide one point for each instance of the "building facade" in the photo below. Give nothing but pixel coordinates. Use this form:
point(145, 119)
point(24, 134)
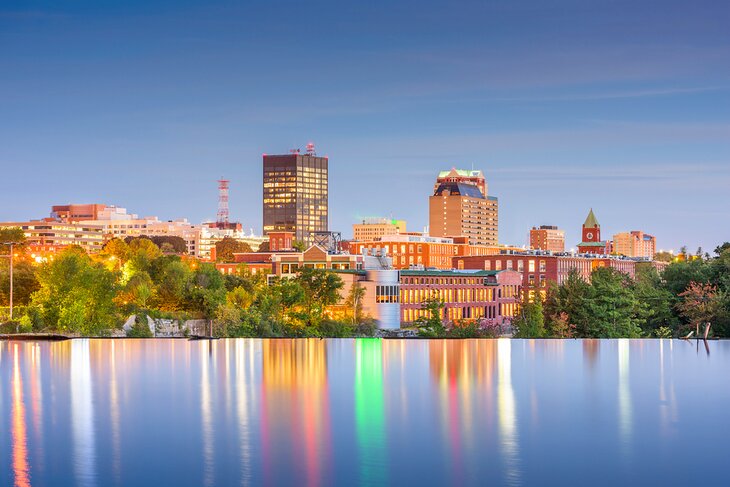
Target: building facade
point(547, 237)
point(58, 235)
point(375, 228)
point(296, 194)
point(539, 269)
point(460, 207)
point(635, 244)
point(411, 249)
point(78, 213)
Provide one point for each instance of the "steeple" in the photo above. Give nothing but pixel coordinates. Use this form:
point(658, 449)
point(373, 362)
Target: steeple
point(591, 221)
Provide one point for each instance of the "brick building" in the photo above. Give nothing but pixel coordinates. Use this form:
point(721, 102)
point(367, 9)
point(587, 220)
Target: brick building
point(547, 237)
point(461, 207)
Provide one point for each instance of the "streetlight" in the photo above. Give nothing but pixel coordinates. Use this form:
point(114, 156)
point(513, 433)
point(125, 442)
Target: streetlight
point(10, 256)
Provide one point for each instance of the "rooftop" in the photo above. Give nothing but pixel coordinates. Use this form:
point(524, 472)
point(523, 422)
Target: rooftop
point(459, 189)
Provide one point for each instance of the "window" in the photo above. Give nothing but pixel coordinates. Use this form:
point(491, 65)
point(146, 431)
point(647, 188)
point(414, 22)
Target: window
point(543, 266)
point(531, 265)
point(521, 266)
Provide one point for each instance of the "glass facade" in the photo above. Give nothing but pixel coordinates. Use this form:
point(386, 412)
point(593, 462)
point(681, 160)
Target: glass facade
point(295, 196)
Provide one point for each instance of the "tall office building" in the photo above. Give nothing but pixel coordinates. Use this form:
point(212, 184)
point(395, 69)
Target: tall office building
point(296, 194)
point(547, 237)
point(635, 244)
point(461, 207)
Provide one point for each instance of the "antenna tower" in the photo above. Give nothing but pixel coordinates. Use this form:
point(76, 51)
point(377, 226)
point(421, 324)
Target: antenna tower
point(222, 217)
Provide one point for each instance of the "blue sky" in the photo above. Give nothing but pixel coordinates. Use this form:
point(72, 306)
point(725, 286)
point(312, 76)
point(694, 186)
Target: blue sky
point(622, 106)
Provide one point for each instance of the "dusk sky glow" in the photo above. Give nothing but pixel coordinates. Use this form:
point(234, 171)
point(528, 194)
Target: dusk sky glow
point(565, 105)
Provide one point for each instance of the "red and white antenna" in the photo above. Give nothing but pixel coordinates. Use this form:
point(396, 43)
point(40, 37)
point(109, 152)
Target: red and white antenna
point(222, 218)
point(310, 149)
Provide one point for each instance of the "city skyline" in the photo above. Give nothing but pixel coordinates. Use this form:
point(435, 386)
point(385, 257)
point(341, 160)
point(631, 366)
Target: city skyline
point(622, 110)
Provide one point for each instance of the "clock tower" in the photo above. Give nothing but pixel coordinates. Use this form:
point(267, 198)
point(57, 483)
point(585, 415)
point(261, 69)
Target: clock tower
point(591, 237)
point(591, 229)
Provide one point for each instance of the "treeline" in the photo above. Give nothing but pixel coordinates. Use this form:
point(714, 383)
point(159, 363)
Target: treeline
point(688, 294)
point(74, 292)
point(94, 295)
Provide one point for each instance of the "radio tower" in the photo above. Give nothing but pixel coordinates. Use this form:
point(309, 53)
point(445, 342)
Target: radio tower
point(222, 218)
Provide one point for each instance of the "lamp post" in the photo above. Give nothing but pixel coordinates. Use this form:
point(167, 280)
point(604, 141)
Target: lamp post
point(10, 256)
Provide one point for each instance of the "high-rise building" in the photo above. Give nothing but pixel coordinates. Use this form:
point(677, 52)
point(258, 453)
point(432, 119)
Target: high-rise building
point(635, 244)
point(591, 235)
point(547, 237)
point(374, 228)
point(461, 207)
point(295, 197)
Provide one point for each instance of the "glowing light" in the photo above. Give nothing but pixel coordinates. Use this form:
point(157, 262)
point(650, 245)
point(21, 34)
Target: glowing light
point(20, 440)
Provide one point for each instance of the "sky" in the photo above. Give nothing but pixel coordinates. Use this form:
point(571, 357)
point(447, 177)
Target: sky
point(566, 105)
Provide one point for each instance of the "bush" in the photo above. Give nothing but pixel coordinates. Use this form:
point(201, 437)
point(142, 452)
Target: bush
point(366, 327)
point(140, 329)
point(663, 332)
point(335, 329)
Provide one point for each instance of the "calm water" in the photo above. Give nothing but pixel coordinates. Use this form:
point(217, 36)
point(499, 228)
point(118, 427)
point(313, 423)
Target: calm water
point(364, 412)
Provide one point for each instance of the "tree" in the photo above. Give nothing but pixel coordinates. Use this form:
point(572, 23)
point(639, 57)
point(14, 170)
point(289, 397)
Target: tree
point(205, 291)
point(570, 299)
point(264, 247)
point(171, 277)
point(431, 324)
point(75, 294)
point(664, 257)
point(14, 235)
point(657, 303)
point(722, 248)
point(612, 305)
point(142, 252)
point(321, 289)
point(530, 320)
point(299, 245)
point(701, 303)
point(172, 243)
point(354, 302)
point(225, 248)
point(137, 291)
point(24, 282)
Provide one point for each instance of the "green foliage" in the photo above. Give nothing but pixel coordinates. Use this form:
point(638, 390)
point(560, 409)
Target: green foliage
point(14, 235)
point(24, 282)
point(431, 325)
point(321, 289)
point(530, 320)
point(141, 328)
point(76, 294)
point(663, 332)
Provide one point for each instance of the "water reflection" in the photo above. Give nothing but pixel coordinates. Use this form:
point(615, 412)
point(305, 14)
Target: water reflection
point(82, 414)
point(625, 412)
point(369, 411)
point(206, 351)
point(295, 403)
point(114, 415)
point(244, 387)
point(509, 445)
point(21, 471)
point(463, 371)
point(362, 412)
